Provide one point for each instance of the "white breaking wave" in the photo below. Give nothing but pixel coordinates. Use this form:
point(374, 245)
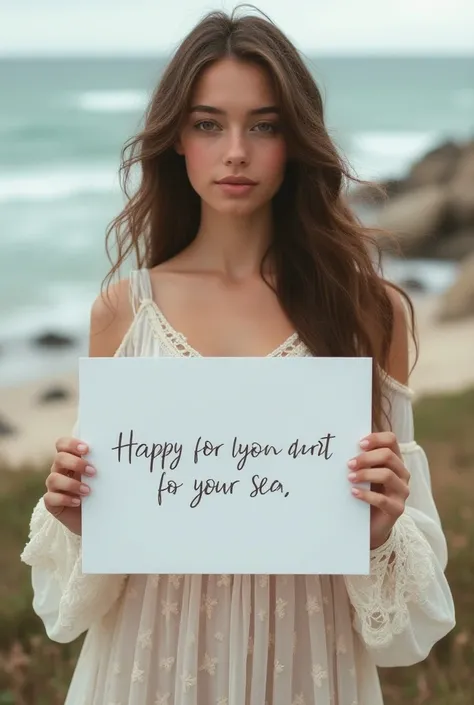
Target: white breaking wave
point(111, 101)
point(60, 183)
point(380, 155)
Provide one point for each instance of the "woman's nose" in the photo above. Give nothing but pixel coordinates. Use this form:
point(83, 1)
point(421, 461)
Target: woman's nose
point(236, 152)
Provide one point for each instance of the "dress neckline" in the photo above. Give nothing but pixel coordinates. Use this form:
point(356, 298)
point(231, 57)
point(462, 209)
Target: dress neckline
point(292, 346)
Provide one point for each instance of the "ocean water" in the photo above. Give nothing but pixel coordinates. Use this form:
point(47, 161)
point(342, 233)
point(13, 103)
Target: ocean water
point(64, 121)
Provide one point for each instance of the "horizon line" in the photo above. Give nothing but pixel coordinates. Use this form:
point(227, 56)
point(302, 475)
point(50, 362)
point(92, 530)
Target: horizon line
point(439, 54)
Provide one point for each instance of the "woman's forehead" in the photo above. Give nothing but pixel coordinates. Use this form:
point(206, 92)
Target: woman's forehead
point(231, 84)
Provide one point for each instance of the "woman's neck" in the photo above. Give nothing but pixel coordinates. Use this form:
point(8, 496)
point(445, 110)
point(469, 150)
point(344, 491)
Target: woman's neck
point(231, 246)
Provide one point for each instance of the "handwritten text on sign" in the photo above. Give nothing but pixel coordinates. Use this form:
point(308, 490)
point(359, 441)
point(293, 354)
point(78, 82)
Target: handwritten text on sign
point(169, 456)
point(224, 465)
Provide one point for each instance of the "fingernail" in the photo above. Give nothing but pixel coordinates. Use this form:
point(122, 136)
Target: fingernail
point(355, 491)
point(82, 448)
point(364, 444)
point(352, 463)
point(75, 501)
point(89, 470)
point(352, 476)
point(84, 489)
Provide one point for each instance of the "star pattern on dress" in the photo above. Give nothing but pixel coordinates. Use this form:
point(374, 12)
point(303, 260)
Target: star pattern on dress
point(312, 605)
point(175, 581)
point(209, 664)
point(352, 672)
point(279, 667)
point(263, 580)
point(168, 608)
point(138, 674)
point(224, 581)
point(167, 663)
point(325, 600)
point(318, 674)
point(295, 641)
point(162, 698)
point(144, 639)
point(280, 607)
point(116, 669)
point(341, 647)
point(155, 580)
point(222, 701)
point(250, 645)
point(188, 682)
point(191, 639)
point(298, 700)
point(208, 605)
point(262, 614)
point(218, 636)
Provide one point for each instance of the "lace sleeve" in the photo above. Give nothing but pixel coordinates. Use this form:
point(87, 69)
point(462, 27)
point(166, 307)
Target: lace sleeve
point(67, 601)
point(405, 605)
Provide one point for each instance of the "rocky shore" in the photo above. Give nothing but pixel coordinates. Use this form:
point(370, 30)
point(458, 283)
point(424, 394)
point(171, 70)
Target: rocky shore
point(429, 214)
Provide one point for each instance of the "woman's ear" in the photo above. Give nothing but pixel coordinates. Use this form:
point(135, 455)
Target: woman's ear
point(179, 147)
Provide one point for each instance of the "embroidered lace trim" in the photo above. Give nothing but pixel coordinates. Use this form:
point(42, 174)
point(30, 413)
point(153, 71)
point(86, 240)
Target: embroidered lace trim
point(54, 548)
point(400, 571)
point(177, 345)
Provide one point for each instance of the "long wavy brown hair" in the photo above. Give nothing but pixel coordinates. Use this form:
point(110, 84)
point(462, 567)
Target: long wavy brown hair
point(324, 259)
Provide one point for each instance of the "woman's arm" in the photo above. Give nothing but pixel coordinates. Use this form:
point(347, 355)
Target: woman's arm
point(405, 606)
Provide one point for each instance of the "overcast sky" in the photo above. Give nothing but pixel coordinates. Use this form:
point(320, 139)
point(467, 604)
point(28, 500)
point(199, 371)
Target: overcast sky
point(155, 26)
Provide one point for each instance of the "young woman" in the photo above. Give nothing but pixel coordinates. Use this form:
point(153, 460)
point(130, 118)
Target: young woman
point(245, 247)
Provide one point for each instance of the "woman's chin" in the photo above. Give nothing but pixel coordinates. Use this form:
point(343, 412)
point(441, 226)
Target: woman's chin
point(236, 207)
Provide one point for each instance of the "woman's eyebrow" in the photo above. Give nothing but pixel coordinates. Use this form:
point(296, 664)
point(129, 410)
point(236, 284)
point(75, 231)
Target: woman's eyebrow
point(264, 110)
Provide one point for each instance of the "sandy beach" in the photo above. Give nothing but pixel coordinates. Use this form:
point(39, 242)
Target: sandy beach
point(446, 363)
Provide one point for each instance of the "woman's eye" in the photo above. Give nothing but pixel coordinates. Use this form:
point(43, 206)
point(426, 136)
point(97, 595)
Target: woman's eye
point(205, 125)
point(266, 127)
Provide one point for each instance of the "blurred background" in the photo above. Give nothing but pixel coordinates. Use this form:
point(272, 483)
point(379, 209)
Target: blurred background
point(398, 84)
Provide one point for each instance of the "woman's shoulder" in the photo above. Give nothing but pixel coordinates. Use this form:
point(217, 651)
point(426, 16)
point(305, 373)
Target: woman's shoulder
point(397, 366)
point(110, 318)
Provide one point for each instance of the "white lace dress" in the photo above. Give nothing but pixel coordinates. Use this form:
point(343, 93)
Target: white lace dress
point(245, 639)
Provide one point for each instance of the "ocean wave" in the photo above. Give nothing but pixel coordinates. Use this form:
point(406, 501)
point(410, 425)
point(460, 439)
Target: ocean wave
point(63, 308)
point(61, 183)
point(376, 155)
point(111, 101)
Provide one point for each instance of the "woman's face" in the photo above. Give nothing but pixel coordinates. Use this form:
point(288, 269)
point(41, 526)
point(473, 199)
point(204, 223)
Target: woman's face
point(233, 132)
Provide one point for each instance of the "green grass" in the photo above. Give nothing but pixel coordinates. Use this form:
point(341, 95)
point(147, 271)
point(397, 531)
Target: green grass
point(35, 671)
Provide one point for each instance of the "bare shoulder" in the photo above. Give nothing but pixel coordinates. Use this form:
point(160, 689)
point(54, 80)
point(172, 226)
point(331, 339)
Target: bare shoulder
point(398, 365)
point(111, 317)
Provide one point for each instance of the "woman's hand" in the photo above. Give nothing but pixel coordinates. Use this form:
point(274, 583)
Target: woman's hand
point(63, 484)
point(381, 464)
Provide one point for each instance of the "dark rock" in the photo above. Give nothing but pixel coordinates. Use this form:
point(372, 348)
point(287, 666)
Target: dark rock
point(454, 247)
point(437, 167)
point(53, 340)
point(6, 429)
point(54, 394)
point(461, 188)
point(458, 301)
point(412, 220)
point(411, 284)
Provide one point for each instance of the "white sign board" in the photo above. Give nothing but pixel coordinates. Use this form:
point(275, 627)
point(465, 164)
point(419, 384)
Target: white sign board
point(224, 465)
